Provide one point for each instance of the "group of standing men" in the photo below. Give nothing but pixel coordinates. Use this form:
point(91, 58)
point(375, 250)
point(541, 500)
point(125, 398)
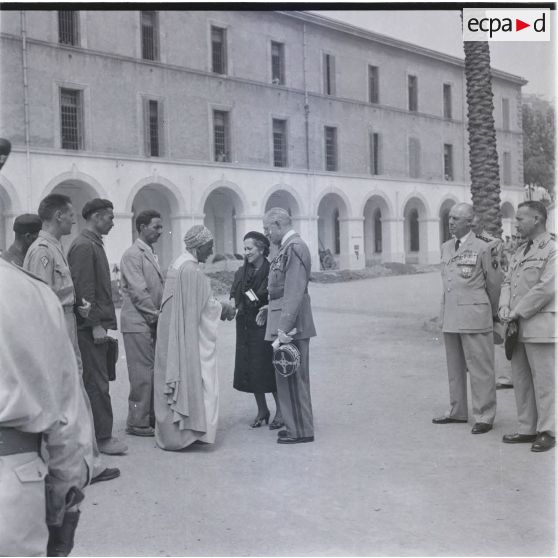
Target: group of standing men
point(476, 294)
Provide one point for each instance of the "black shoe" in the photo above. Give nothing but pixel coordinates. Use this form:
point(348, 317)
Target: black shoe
point(481, 428)
point(276, 424)
point(289, 440)
point(446, 420)
point(146, 431)
point(106, 475)
point(282, 433)
point(544, 442)
point(519, 438)
point(259, 420)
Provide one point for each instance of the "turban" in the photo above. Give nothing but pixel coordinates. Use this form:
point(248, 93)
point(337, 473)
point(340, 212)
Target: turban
point(27, 223)
point(197, 236)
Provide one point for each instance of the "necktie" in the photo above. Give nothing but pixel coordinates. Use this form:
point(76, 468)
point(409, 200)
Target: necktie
point(528, 247)
point(457, 244)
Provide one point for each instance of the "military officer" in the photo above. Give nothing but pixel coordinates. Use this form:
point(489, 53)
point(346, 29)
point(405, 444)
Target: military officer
point(528, 297)
point(289, 319)
point(142, 291)
point(40, 397)
point(471, 282)
point(26, 228)
point(46, 260)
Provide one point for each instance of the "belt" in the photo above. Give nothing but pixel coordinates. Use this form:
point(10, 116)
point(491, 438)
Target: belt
point(68, 309)
point(277, 294)
point(15, 441)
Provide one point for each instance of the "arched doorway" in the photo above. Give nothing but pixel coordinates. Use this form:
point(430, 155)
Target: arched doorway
point(416, 247)
point(80, 193)
point(445, 209)
point(508, 216)
point(376, 232)
point(161, 199)
point(285, 200)
point(220, 210)
point(332, 229)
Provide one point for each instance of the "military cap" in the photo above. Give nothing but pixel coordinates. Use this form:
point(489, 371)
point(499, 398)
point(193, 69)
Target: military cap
point(97, 204)
point(27, 223)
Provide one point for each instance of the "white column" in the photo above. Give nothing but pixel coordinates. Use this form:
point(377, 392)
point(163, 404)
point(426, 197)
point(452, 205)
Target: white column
point(396, 245)
point(352, 243)
point(119, 238)
point(307, 227)
point(431, 253)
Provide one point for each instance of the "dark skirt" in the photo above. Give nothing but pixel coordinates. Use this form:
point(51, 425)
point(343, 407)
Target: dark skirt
point(253, 368)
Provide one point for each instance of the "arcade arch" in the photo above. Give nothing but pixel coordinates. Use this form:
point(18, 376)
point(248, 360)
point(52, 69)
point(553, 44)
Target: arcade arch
point(415, 234)
point(445, 209)
point(508, 217)
point(332, 224)
point(377, 241)
point(220, 211)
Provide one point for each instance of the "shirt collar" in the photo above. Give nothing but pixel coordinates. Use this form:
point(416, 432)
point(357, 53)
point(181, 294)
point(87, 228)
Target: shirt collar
point(287, 235)
point(49, 237)
point(92, 235)
point(465, 237)
point(144, 245)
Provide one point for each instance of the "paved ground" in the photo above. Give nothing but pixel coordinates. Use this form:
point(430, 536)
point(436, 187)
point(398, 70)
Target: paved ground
point(380, 479)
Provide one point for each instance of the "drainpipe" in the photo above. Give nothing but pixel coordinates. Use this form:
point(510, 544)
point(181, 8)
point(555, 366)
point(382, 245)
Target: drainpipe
point(26, 108)
point(306, 104)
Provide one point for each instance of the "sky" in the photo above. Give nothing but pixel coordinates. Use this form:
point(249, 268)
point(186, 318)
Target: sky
point(441, 31)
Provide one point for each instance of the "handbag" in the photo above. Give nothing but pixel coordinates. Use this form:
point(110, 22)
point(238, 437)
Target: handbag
point(512, 334)
point(112, 357)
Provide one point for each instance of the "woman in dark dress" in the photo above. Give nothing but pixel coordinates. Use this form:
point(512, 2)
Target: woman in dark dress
point(253, 370)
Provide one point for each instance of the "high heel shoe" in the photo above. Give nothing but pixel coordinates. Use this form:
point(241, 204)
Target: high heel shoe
point(258, 422)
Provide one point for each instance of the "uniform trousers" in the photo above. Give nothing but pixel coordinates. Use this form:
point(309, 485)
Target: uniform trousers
point(293, 393)
point(533, 371)
point(95, 379)
point(23, 528)
point(140, 356)
point(71, 326)
point(473, 352)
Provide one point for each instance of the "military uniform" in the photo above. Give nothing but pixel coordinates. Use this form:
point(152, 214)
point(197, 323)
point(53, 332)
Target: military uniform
point(40, 396)
point(471, 281)
point(529, 291)
point(45, 259)
point(289, 307)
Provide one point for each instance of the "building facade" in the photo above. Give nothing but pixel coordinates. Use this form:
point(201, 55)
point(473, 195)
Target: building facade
point(215, 116)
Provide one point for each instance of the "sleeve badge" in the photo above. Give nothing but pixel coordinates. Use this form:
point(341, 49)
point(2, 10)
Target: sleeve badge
point(44, 261)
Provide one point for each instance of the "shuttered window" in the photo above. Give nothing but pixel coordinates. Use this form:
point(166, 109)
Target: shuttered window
point(277, 63)
point(412, 86)
point(221, 136)
point(71, 118)
point(329, 74)
point(414, 158)
point(149, 36)
point(153, 128)
point(330, 134)
point(279, 143)
point(68, 27)
point(218, 50)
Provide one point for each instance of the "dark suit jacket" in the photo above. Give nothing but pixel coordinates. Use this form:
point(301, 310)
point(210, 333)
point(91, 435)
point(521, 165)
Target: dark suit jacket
point(91, 276)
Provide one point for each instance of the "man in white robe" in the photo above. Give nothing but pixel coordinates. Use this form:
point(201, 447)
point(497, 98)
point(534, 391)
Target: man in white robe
point(186, 394)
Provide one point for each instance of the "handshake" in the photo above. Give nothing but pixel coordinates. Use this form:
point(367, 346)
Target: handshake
point(228, 311)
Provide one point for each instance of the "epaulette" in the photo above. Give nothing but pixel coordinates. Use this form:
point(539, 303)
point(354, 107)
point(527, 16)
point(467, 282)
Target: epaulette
point(485, 237)
point(545, 241)
point(28, 273)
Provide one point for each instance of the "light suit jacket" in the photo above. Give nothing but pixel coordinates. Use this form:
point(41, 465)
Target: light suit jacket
point(472, 279)
point(529, 289)
point(142, 289)
point(289, 301)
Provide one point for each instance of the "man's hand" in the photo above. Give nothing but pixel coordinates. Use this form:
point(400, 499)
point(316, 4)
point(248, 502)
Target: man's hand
point(228, 311)
point(85, 309)
point(261, 318)
point(99, 335)
point(504, 313)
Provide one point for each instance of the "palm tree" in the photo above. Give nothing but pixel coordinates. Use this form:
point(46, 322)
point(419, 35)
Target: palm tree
point(483, 156)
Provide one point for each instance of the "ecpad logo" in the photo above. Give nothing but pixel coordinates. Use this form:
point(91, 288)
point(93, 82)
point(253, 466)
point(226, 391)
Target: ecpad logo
point(506, 25)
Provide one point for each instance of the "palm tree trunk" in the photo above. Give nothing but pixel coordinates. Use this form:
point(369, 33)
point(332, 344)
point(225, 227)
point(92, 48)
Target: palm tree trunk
point(483, 155)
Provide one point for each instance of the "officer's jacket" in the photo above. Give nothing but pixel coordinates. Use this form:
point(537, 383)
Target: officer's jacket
point(91, 277)
point(289, 301)
point(529, 289)
point(45, 259)
point(142, 288)
point(40, 388)
point(471, 280)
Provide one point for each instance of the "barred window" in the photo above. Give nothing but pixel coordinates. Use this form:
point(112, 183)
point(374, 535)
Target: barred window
point(68, 27)
point(153, 125)
point(373, 84)
point(277, 63)
point(221, 136)
point(448, 161)
point(71, 118)
point(505, 113)
point(506, 164)
point(414, 158)
point(218, 50)
point(149, 36)
point(447, 100)
point(279, 143)
point(330, 148)
point(374, 153)
point(412, 85)
point(329, 74)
